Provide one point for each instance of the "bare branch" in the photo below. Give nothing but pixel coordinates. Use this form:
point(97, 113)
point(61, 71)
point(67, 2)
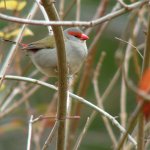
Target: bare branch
point(130, 128)
point(44, 14)
point(51, 135)
point(78, 5)
point(106, 18)
point(130, 45)
point(122, 3)
point(11, 55)
point(61, 9)
point(29, 134)
point(75, 97)
point(41, 117)
point(82, 134)
point(99, 99)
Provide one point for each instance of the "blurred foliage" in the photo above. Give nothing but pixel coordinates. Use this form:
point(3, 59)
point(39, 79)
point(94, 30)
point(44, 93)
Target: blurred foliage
point(13, 33)
point(12, 5)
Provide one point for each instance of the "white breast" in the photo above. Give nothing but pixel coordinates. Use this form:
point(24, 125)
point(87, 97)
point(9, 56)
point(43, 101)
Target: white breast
point(46, 59)
point(76, 54)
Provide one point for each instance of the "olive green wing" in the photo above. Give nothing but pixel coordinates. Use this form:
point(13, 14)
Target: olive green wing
point(47, 42)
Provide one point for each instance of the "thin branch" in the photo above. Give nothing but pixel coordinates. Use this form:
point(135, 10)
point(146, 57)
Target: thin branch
point(99, 99)
point(85, 79)
point(136, 49)
point(41, 117)
point(51, 135)
point(127, 56)
point(10, 98)
point(11, 55)
point(134, 88)
point(82, 134)
point(61, 9)
point(111, 84)
point(75, 97)
point(69, 7)
point(106, 18)
point(122, 3)
point(130, 127)
point(141, 135)
point(14, 47)
point(102, 6)
point(78, 9)
point(19, 102)
point(146, 63)
point(29, 134)
point(34, 81)
point(44, 14)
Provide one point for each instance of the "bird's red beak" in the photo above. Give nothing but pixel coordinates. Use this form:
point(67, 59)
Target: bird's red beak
point(84, 37)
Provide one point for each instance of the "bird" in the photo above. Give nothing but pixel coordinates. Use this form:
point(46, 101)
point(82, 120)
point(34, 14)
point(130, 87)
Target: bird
point(144, 85)
point(43, 53)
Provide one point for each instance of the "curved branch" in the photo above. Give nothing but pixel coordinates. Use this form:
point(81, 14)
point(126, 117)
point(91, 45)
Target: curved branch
point(75, 97)
point(75, 23)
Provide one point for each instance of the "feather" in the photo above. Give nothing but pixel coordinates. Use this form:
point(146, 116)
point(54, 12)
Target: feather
point(47, 42)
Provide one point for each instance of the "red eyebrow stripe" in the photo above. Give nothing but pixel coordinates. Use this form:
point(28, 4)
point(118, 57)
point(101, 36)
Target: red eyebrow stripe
point(81, 36)
point(75, 33)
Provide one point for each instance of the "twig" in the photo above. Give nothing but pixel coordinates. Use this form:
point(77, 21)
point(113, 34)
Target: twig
point(29, 134)
point(82, 134)
point(141, 137)
point(106, 18)
point(78, 9)
point(19, 102)
point(75, 97)
point(123, 4)
point(11, 55)
point(146, 63)
point(34, 81)
point(85, 80)
point(69, 8)
point(130, 45)
point(14, 48)
point(138, 92)
point(99, 100)
point(10, 98)
point(99, 13)
point(147, 139)
point(111, 84)
point(125, 72)
point(130, 127)
point(123, 95)
point(51, 109)
point(41, 117)
point(61, 9)
point(51, 135)
point(133, 119)
point(44, 14)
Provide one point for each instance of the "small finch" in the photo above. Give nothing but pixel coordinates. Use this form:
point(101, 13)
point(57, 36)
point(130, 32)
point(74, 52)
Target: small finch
point(43, 53)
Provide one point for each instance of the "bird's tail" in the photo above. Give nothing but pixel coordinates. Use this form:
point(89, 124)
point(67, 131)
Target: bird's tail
point(21, 45)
